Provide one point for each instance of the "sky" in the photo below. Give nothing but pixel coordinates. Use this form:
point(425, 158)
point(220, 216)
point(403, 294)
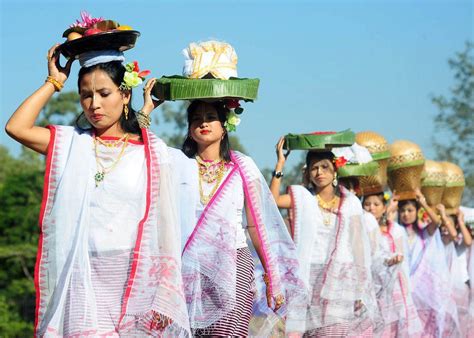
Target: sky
point(323, 65)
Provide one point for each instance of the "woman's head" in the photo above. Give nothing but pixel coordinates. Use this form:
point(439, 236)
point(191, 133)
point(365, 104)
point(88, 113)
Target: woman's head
point(408, 211)
point(102, 100)
point(320, 169)
point(375, 204)
point(206, 126)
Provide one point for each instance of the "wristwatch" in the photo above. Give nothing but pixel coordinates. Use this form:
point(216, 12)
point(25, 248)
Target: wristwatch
point(277, 174)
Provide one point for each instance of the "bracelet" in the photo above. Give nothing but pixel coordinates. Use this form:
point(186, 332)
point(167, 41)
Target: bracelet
point(57, 85)
point(144, 120)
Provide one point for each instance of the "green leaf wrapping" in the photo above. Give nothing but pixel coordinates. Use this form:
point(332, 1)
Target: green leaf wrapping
point(171, 88)
point(357, 170)
point(319, 141)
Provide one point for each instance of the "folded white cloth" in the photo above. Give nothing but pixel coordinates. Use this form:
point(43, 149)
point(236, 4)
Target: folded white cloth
point(95, 57)
point(214, 57)
point(353, 154)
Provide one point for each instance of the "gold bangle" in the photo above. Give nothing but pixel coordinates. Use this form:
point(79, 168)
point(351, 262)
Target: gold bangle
point(57, 85)
point(144, 120)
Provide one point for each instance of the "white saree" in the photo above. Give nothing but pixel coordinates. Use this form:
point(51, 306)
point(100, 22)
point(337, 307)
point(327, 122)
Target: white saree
point(335, 265)
point(109, 256)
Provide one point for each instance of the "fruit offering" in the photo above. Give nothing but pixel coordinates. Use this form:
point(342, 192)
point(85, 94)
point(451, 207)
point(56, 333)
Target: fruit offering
point(90, 26)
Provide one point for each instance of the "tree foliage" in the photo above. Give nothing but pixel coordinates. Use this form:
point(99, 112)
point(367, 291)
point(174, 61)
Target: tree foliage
point(454, 122)
point(20, 192)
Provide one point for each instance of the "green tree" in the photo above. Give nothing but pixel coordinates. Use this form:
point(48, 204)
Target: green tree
point(454, 122)
point(20, 192)
point(61, 109)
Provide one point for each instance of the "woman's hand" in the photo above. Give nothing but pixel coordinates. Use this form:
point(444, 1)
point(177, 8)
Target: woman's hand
point(159, 322)
point(281, 157)
point(54, 68)
point(279, 299)
point(442, 210)
point(420, 198)
point(148, 102)
point(396, 259)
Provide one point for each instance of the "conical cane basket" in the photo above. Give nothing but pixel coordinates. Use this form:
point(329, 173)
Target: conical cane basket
point(405, 166)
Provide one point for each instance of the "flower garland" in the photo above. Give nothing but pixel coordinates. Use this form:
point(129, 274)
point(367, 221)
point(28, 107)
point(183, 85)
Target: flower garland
point(133, 76)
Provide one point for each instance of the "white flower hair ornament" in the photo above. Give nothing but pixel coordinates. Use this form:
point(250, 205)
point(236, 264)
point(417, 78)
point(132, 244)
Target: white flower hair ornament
point(233, 118)
point(133, 77)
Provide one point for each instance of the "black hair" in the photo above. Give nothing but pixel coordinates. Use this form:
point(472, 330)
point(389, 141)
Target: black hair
point(379, 195)
point(351, 183)
point(313, 156)
point(190, 147)
point(115, 70)
point(413, 202)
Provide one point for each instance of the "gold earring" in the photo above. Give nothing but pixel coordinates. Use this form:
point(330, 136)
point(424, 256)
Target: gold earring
point(334, 181)
point(125, 111)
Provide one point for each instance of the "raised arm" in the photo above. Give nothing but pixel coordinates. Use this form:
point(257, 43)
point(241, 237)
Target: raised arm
point(447, 222)
point(466, 235)
point(21, 125)
point(435, 221)
point(282, 201)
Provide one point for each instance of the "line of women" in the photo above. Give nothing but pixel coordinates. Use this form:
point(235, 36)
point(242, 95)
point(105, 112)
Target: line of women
point(140, 239)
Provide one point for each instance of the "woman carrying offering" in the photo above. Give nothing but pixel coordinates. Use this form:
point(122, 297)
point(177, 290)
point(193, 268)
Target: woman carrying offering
point(109, 260)
point(224, 198)
point(332, 244)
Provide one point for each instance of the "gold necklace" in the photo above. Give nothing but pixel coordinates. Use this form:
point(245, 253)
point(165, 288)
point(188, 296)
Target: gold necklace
point(100, 174)
point(209, 171)
point(219, 175)
point(327, 208)
point(112, 144)
point(327, 205)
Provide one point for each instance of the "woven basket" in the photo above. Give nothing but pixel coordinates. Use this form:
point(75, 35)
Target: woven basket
point(378, 148)
point(454, 187)
point(433, 182)
point(405, 166)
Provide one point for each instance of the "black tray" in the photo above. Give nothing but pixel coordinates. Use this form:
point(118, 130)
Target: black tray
point(116, 40)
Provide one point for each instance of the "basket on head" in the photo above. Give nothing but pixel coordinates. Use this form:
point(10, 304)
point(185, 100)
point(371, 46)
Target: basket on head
point(319, 141)
point(378, 148)
point(405, 166)
point(433, 182)
point(454, 187)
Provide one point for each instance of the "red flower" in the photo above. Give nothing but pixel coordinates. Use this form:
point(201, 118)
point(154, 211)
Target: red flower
point(340, 162)
point(144, 73)
point(135, 66)
point(323, 133)
point(232, 104)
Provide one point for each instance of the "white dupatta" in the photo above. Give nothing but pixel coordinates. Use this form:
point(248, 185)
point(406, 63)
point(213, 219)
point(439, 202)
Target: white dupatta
point(65, 277)
point(341, 282)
